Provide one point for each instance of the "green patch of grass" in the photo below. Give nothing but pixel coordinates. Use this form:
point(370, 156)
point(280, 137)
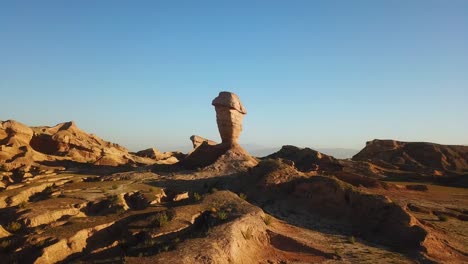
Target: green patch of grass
point(14, 227)
point(243, 196)
point(267, 220)
point(197, 197)
point(114, 187)
point(248, 233)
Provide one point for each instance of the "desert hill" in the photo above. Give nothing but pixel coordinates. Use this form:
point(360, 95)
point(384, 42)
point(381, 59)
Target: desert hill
point(421, 157)
point(48, 148)
point(306, 159)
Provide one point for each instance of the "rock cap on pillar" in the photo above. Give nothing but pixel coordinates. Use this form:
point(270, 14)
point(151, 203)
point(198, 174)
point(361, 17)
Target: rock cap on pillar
point(230, 100)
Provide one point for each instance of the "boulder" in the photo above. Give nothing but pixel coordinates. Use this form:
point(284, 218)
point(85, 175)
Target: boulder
point(4, 233)
point(181, 196)
point(198, 141)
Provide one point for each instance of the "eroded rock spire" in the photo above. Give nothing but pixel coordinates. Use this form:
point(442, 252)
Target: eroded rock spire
point(229, 115)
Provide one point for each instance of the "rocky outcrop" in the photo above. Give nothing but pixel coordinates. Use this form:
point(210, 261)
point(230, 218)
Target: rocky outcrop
point(135, 201)
point(161, 157)
point(4, 233)
point(47, 217)
point(228, 156)
point(373, 215)
point(229, 115)
point(25, 149)
point(15, 149)
point(180, 196)
point(272, 173)
point(422, 157)
point(13, 133)
point(198, 141)
point(306, 159)
point(219, 158)
point(23, 195)
point(68, 246)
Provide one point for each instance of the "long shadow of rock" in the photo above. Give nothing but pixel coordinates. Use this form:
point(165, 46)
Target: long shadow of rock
point(87, 168)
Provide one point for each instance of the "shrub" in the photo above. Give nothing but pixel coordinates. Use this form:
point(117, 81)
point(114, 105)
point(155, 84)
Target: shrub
point(443, 218)
point(13, 226)
point(247, 234)
point(213, 190)
point(149, 243)
point(162, 219)
point(123, 244)
point(114, 187)
point(23, 205)
point(113, 199)
point(243, 196)
point(197, 196)
point(45, 194)
point(41, 243)
point(352, 239)
point(222, 215)
point(267, 220)
point(5, 245)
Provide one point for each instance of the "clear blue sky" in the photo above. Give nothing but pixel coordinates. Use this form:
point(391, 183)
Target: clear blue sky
point(311, 73)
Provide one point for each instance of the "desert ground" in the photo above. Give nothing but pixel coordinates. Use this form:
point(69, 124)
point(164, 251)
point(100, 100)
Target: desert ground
point(67, 196)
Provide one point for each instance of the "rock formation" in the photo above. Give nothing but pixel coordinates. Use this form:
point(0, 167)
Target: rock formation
point(161, 157)
point(33, 149)
point(431, 158)
point(198, 141)
point(229, 115)
point(229, 155)
point(307, 159)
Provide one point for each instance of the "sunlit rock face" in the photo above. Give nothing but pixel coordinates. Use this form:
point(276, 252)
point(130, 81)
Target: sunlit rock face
point(229, 115)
